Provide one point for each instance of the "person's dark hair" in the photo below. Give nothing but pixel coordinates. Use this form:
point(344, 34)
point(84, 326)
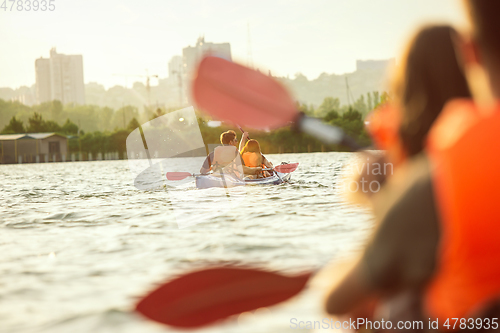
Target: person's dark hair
point(428, 77)
point(227, 137)
point(486, 25)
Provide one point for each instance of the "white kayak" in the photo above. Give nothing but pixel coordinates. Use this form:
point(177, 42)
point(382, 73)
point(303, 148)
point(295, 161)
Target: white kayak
point(227, 180)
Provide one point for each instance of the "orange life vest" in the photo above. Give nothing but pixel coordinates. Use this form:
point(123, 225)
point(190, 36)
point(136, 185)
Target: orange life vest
point(383, 126)
point(464, 151)
point(252, 160)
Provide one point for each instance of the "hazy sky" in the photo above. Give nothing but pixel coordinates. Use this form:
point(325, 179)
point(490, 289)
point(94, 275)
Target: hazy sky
point(287, 36)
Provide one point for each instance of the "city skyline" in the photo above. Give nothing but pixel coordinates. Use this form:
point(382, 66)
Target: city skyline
point(286, 37)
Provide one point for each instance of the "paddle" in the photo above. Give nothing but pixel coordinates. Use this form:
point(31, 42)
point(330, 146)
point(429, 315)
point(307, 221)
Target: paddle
point(180, 175)
point(202, 297)
point(282, 168)
point(242, 131)
point(240, 95)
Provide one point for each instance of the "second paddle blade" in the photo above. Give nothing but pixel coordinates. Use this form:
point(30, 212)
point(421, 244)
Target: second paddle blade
point(240, 95)
point(286, 168)
point(178, 175)
point(203, 297)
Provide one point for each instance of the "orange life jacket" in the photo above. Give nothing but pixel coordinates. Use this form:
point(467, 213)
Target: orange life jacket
point(383, 126)
point(252, 160)
point(464, 151)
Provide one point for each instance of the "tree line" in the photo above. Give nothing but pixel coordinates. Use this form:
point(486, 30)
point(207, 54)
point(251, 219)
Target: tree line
point(95, 129)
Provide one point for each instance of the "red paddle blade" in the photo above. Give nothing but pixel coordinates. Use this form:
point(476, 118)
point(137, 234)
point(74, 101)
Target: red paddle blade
point(203, 297)
point(286, 168)
point(178, 175)
point(240, 95)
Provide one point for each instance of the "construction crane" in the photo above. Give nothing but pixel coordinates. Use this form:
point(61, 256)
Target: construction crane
point(148, 86)
point(179, 81)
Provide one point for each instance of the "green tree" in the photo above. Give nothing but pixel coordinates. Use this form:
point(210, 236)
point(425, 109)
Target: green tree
point(14, 126)
point(329, 104)
point(353, 125)
point(51, 126)
point(69, 127)
point(331, 116)
point(56, 110)
point(360, 105)
point(158, 113)
point(133, 124)
point(35, 123)
point(385, 98)
point(118, 141)
point(123, 116)
point(369, 101)
point(38, 125)
point(376, 100)
point(105, 115)
point(305, 109)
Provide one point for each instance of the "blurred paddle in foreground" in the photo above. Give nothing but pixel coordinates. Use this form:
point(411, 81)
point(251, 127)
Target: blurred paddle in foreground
point(240, 95)
point(202, 297)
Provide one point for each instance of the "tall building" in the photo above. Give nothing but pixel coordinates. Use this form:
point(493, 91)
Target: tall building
point(60, 77)
point(176, 81)
point(193, 54)
point(175, 66)
point(181, 68)
point(375, 64)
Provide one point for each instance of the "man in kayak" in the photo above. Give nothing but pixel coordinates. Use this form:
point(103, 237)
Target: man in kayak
point(435, 249)
point(227, 157)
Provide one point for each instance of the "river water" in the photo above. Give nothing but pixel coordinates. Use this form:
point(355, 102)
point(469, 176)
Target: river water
point(80, 244)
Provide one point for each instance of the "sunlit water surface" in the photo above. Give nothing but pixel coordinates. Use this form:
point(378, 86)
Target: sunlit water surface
point(80, 244)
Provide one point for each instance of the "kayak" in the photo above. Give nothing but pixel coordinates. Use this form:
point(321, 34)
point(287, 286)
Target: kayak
point(208, 181)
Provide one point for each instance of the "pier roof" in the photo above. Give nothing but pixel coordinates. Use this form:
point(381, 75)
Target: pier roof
point(11, 137)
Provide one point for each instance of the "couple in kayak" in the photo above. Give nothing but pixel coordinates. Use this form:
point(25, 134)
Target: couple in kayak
point(247, 161)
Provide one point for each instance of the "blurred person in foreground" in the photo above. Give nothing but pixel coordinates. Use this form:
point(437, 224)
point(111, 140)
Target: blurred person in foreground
point(441, 205)
point(428, 77)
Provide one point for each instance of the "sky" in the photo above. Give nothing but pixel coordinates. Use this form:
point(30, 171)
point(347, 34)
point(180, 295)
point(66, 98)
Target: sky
point(287, 36)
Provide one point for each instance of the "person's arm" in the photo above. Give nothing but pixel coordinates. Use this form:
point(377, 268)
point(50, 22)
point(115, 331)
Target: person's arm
point(205, 168)
point(243, 140)
point(402, 252)
point(266, 162)
point(251, 171)
point(351, 294)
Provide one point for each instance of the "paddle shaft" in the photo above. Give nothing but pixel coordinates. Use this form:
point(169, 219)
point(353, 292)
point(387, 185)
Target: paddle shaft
point(328, 134)
point(242, 131)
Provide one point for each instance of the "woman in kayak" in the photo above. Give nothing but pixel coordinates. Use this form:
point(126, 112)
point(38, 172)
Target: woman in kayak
point(253, 158)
